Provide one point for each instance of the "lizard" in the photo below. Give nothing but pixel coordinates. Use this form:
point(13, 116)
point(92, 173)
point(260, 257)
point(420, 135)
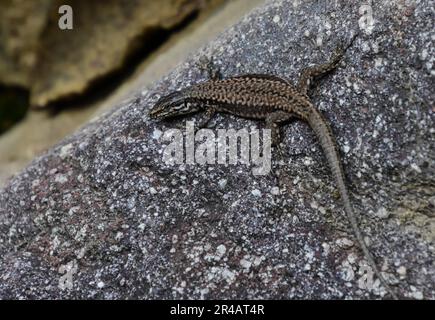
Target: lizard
point(275, 100)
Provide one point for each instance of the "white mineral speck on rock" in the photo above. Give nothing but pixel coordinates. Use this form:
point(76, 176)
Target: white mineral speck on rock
point(256, 193)
point(378, 62)
point(365, 46)
point(326, 247)
point(65, 150)
point(174, 238)
point(308, 161)
point(309, 255)
point(347, 273)
point(401, 271)
point(351, 258)
point(153, 190)
point(35, 183)
point(275, 191)
point(375, 133)
point(257, 260)
point(245, 264)
point(228, 275)
point(319, 41)
point(423, 54)
point(61, 178)
point(417, 295)
point(204, 291)
point(344, 243)
point(382, 213)
point(73, 210)
point(157, 134)
point(276, 19)
point(222, 183)
point(81, 253)
point(415, 167)
point(221, 249)
point(322, 210)
point(100, 284)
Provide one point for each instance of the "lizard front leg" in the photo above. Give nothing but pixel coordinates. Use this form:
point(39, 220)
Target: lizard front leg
point(208, 115)
point(202, 123)
point(310, 73)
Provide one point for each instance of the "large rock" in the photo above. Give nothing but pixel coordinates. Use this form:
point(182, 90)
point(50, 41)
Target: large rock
point(102, 216)
point(21, 25)
point(56, 64)
point(105, 37)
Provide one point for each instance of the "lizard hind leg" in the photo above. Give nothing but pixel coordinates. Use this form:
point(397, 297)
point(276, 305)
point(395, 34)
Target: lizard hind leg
point(273, 122)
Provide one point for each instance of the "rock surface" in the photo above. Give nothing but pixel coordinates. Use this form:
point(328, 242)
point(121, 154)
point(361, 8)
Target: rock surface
point(102, 216)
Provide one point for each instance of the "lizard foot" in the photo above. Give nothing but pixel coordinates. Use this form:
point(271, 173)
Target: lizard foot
point(206, 64)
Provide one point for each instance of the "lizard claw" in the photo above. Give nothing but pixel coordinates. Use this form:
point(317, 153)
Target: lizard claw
point(206, 64)
point(341, 50)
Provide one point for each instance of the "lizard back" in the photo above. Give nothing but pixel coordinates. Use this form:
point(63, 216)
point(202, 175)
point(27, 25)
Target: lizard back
point(253, 96)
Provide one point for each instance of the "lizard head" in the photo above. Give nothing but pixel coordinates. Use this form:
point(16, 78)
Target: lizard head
point(173, 105)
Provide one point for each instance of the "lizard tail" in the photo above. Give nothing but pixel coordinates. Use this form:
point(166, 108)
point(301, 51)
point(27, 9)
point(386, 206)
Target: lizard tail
point(327, 141)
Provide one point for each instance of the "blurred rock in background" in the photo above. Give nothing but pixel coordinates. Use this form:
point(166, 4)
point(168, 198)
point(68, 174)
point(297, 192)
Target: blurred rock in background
point(53, 63)
point(21, 25)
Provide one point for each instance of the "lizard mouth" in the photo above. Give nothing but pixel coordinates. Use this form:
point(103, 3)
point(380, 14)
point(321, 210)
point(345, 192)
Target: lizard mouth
point(163, 112)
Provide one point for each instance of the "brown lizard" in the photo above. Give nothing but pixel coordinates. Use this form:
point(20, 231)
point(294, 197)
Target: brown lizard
point(275, 100)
